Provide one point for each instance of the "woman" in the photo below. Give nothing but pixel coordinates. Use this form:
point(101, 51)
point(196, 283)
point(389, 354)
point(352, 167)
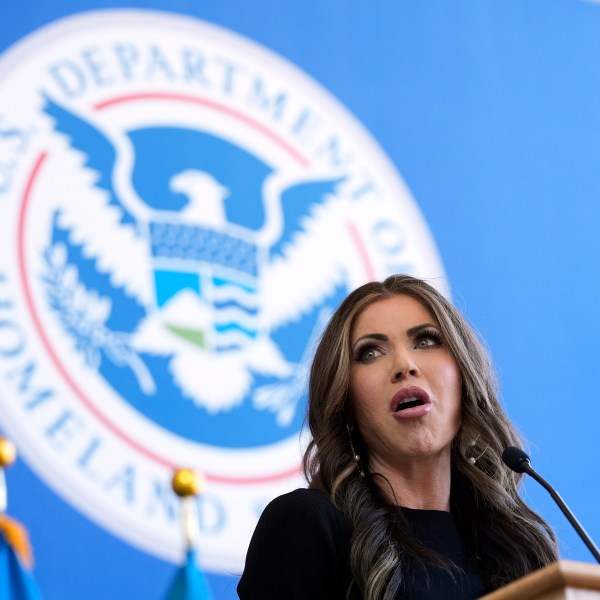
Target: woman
point(408, 496)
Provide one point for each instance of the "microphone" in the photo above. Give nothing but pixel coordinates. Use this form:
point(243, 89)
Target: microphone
point(518, 461)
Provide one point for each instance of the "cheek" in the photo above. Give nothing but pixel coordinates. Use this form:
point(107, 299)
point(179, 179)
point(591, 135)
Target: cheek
point(454, 387)
point(362, 394)
point(450, 382)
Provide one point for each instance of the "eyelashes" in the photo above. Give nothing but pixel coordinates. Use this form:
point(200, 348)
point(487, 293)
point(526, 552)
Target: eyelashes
point(367, 352)
point(426, 338)
point(429, 337)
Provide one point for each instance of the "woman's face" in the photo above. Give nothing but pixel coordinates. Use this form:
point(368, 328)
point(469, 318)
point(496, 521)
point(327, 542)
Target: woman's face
point(405, 385)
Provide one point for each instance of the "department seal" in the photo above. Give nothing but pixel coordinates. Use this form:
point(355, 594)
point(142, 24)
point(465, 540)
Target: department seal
point(181, 211)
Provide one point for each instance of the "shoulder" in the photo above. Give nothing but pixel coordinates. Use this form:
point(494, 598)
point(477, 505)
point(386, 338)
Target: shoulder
point(306, 511)
point(299, 549)
point(304, 502)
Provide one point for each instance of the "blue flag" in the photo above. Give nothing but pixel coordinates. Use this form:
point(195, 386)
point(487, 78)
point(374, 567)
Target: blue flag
point(16, 583)
point(189, 583)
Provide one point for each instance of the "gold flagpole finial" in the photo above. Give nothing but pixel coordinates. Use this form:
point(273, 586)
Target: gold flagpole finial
point(8, 453)
point(188, 484)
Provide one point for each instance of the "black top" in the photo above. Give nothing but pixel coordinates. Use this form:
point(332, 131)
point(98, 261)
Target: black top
point(301, 546)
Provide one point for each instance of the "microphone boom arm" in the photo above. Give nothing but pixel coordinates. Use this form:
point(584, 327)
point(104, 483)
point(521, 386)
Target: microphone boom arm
point(525, 465)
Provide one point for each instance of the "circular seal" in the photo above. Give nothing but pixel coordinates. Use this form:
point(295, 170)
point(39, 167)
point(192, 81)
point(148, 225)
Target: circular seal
point(180, 212)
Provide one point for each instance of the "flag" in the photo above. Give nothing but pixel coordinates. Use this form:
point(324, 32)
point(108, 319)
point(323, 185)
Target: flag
point(189, 583)
point(16, 582)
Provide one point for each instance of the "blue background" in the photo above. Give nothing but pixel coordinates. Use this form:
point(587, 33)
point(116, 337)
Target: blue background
point(490, 109)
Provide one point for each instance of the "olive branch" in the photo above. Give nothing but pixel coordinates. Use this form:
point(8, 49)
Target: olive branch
point(83, 313)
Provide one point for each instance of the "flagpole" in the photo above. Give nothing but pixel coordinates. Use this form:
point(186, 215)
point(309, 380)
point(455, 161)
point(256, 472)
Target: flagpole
point(13, 532)
point(8, 455)
point(16, 557)
point(188, 484)
point(190, 582)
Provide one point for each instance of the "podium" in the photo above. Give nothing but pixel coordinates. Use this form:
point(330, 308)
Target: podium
point(562, 580)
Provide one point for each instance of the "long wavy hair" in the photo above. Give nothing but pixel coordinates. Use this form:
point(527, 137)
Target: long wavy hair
point(507, 539)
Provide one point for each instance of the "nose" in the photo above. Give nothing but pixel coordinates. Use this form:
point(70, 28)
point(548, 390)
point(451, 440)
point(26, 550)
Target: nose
point(404, 366)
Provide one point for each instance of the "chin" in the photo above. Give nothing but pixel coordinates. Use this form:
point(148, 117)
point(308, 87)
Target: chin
point(426, 449)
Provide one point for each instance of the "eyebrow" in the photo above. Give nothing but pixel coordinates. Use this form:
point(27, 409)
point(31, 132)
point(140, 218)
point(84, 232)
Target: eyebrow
point(418, 328)
point(384, 338)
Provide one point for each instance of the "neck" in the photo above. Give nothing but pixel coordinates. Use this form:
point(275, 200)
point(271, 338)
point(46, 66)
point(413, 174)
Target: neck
point(423, 484)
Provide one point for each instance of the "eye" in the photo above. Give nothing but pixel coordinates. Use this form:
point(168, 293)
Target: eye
point(428, 338)
point(367, 353)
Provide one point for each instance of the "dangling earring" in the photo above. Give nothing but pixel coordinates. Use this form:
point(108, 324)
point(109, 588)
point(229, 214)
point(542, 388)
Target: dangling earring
point(355, 455)
point(473, 459)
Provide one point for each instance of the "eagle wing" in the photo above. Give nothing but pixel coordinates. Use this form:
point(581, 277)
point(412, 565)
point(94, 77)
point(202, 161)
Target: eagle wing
point(311, 260)
point(101, 222)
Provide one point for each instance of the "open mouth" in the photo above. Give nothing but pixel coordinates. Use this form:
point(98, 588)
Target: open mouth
point(408, 403)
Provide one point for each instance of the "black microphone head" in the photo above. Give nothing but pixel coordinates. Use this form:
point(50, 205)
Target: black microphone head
point(515, 458)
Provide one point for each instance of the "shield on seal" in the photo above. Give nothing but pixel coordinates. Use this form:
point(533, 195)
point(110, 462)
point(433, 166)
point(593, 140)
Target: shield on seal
point(221, 269)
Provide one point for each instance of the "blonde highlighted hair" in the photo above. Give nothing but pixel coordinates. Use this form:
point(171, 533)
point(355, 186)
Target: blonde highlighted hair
point(484, 491)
